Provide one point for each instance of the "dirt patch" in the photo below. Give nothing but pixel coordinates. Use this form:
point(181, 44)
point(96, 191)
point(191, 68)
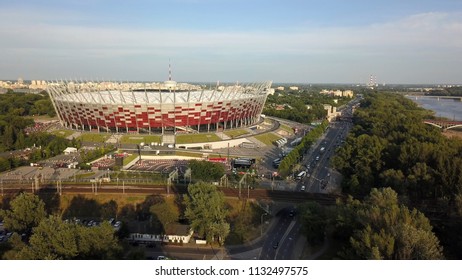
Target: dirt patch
point(453, 133)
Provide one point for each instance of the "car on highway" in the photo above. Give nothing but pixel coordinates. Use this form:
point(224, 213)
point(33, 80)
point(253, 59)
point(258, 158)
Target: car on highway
point(291, 213)
point(302, 188)
point(276, 244)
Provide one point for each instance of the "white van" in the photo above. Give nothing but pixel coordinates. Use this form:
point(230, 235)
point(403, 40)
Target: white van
point(301, 175)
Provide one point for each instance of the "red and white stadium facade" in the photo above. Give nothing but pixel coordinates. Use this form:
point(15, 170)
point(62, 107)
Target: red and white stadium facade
point(147, 109)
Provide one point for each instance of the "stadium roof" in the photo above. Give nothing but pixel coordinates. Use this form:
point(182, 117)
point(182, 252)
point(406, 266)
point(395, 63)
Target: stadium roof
point(138, 96)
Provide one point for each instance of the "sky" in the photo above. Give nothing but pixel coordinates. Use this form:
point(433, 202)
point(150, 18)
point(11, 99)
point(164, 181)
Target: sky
point(286, 41)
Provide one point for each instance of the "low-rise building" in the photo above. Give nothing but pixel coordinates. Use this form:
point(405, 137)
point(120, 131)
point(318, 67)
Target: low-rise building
point(70, 150)
point(175, 233)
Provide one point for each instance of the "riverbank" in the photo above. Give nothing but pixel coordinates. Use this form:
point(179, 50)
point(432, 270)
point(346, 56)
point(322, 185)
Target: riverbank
point(446, 108)
point(453, 133)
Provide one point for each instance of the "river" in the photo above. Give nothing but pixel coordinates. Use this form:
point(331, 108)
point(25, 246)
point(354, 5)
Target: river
point(446, 108)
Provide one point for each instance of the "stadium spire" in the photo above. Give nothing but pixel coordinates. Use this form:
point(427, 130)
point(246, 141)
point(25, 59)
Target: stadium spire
point(169, 70)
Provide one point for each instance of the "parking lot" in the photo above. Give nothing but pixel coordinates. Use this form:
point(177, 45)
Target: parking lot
point(160, 165)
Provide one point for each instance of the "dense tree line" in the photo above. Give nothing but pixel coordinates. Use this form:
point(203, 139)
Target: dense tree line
point(206, 212)
point(295, 156)
point(390, 146)
point(378, 227)
point(12, 131)
point(43, 145)
point(205, 170)
point(448, 91)
point(49, 237)
point(15, 112)
point(295, 105)
point(26, 104)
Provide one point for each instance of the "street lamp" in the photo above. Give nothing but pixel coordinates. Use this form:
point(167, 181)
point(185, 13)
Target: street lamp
point(261, 223)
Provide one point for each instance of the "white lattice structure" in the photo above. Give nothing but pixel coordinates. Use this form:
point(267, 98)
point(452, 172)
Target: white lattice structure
point(160, 108)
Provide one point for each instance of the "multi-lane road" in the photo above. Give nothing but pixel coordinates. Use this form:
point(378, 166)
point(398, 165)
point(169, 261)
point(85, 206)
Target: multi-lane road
point(317, 165)
point(317, 162)
point(280, 240)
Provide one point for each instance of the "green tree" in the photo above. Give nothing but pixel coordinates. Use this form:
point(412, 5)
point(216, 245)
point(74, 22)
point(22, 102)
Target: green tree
point(10, 249)
point(384, 229)
point(314, 221)
point(55, 239)
point(205, 210)
point(4, 164)
point(20, 141)
point(98, 242)
point(27, 210)
point(8, 137)
point(109, 209)
point(51, 239)
point(206, 171)
point(166, 213)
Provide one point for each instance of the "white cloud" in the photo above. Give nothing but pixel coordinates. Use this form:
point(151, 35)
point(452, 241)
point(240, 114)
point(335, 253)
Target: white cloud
point(435, 35)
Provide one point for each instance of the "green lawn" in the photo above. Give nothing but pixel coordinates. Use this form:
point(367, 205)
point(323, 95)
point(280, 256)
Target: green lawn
point(129, 159)
point(93, 137)
point(188, 154)
point(236, 132)
point(131, 139)
point(84, 175)
point(63, 132)
point(268, 138)
point(287, 128)
point(196, 138)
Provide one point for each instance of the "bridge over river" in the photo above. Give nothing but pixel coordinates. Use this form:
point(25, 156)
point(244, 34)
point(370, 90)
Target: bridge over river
point(444, 124)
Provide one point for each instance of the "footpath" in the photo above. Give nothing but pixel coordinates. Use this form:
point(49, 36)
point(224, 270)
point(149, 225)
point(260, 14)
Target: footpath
point(252, 249)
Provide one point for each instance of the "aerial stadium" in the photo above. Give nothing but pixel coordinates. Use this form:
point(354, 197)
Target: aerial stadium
point(163, 108)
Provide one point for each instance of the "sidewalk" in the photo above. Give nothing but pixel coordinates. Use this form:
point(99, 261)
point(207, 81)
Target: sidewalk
point(297, 254)
point(253, 248)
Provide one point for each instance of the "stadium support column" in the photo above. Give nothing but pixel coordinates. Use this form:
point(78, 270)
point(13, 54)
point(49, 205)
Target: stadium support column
point(189, 112)
point(146, 100)
point(161, 111)
point(174, 112)
point(51, 93)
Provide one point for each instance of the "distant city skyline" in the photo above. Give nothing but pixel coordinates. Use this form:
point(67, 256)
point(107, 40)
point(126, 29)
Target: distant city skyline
point(399, 42)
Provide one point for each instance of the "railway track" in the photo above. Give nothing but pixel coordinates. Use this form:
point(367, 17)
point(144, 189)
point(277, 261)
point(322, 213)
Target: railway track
point(258, 194)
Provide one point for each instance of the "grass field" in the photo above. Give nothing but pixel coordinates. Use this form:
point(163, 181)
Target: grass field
point(188, 154)
point(63, 132)
point(197, 138)
point(93, 137)
point(131, 139)
point(268, 138)
point(129, 159)
point(85, 175)
point(121, 200)
point(248, 215)
point(286, 128)
point(236, 132)
point(89, 206)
